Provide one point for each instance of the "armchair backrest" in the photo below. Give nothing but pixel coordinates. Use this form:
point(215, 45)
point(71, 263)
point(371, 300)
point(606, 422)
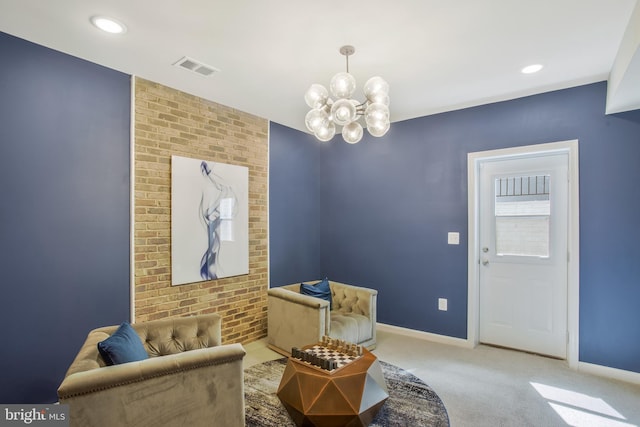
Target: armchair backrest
point(159, 337)
point(353, 299)
point(170, 336)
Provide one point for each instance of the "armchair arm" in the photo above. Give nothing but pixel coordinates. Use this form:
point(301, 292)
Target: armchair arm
point(295, 320)
point(81, 383)
point(297, 298)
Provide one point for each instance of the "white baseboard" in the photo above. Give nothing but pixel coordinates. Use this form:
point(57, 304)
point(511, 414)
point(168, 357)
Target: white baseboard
point(588, 368)
point(426, 336)
point(613, 373)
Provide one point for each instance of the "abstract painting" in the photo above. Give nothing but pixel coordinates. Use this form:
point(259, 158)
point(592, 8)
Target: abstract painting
point(209, 220)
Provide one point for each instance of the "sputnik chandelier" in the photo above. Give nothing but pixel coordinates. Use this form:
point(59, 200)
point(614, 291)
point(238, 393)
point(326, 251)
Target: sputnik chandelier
point(326, 113)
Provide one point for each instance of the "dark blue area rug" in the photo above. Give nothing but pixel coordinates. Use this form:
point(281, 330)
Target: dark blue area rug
point(411, 402)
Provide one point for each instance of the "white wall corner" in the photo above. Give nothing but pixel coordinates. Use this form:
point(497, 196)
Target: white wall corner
point(623, 85)
point(132, 203)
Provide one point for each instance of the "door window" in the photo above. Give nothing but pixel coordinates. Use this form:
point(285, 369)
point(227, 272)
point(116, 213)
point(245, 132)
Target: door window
point(522, 211)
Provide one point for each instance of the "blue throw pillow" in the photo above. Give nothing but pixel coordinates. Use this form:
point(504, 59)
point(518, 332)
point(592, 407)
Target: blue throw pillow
point(319, 290)
point(122, 347)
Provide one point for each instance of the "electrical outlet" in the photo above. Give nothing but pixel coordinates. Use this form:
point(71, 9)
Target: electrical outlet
point(453, 238)
point(442, 304)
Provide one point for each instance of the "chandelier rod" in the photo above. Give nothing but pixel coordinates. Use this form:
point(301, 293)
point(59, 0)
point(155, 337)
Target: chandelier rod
point(346, 51)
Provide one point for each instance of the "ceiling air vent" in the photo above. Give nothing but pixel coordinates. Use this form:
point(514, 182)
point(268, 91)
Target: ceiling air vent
point(196, 66)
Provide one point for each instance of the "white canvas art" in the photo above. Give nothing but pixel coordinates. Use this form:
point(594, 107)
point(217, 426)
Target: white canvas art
point(209, 220)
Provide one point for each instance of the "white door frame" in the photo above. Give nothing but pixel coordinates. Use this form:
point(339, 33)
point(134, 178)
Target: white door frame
point(573, 245)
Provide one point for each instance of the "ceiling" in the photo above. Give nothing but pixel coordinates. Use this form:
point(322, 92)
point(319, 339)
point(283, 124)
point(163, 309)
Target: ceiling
point(436, 55)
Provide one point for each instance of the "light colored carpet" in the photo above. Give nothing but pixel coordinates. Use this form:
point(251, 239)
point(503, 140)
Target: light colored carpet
point(494, 387)
point(487, 386)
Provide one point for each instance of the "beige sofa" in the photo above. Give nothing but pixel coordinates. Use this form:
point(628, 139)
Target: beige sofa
point(189, 379)
point(295, 320)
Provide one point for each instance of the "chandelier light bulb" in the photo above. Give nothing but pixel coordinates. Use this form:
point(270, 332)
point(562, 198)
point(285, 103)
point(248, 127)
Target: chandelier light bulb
point(342, 85)
point(378, 129)
point(374, 87)
point(325, 132)
point(376, 113)
point(316, 96)
point(315, 118)
point(343, 112)
point(380, 98)
point(352, 132)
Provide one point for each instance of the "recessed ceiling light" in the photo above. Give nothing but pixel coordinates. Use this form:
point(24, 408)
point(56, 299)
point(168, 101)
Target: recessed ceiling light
point(109, 25)
point(530, 69)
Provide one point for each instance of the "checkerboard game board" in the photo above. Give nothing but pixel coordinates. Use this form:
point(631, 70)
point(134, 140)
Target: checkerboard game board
point(329, 354)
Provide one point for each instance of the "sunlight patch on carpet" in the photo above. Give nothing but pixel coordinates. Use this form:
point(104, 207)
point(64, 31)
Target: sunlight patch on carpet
point(578, 409)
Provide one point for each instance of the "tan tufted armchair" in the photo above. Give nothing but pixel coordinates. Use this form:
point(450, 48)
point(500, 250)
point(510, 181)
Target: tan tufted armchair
point(295, 320)
point(189, 378)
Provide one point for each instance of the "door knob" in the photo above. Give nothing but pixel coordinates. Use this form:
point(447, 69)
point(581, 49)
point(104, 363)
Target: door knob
point(485, 262)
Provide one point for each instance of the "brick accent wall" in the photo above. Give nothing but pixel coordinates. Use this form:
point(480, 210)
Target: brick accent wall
point(169, 122)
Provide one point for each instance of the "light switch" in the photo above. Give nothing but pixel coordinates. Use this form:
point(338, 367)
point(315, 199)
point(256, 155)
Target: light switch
point(442, 304)
point(453, 238)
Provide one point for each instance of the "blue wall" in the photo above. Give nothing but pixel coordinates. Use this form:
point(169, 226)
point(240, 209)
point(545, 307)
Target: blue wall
point(389, 202)
point(295, 212)
point(64, 215)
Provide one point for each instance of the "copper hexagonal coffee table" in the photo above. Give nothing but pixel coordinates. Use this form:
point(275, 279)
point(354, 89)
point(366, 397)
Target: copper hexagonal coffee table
point(350, 395)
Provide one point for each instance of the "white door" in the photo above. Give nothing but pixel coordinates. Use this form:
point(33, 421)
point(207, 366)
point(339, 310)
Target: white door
point(523, 253)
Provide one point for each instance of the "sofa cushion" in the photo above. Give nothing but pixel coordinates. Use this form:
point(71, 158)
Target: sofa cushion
point(122, 347)
point(319, 290)
point(350, 327)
